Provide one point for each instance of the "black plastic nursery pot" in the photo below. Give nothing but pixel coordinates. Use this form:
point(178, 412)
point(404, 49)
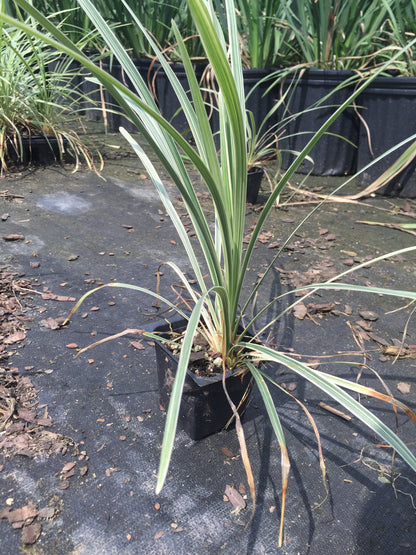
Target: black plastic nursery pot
point(389, 111)
point(167, 100)
point(114, 116)
point(259, 99)
point(254, 179)
point(36, 150)
point(204, 408)
point(335, 153)
point(158, 83)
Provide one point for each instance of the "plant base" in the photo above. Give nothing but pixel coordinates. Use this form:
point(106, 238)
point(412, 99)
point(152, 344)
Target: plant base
point(204, 408)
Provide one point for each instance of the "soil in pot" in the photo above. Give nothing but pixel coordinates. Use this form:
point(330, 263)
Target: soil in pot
point(204, 408)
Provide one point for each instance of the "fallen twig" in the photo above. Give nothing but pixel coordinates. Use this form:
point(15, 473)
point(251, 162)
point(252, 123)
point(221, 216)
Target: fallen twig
point(335, 411)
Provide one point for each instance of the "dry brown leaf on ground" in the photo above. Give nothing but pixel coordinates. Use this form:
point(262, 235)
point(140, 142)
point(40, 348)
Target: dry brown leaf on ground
point(138, 344)
point(227, 453)
point(50, 323)
point(300, 311)
point(403, 387)
point(235, 498)
point(21, 516)
point(15, 337)
point(319, 308)
point(31, 533)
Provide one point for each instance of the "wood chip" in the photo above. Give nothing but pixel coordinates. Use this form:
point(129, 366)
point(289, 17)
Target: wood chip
point(368, 315)
point(48, 296)
point(68, 466)
point(110, 471)
point(83, 470)
point(71, 346)
point(24, 515)
point(46, 512)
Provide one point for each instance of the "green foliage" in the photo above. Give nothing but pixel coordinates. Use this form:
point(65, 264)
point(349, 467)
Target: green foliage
point(156, 16)
point(219, 302)
point(335, 34)
point(395, 34)
point(263, 35)
point(38, 96)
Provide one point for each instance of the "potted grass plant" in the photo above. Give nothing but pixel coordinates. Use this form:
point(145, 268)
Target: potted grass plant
point(156, 18)
point(331, 42)
point(218, 304)
point(37, 105)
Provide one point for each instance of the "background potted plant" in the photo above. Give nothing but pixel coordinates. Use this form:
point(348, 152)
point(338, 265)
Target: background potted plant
point(331, 42)
point(218, 304)
point(37, 105)
point(156, 18)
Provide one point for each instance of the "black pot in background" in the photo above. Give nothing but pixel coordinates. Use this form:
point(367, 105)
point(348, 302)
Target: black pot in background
point(254, 178)
point(115, 117)
point(259, 100)
point(36, 150)
point(158, 84)
point(168, 103)
point(94, 95)
point(331, 155)
point(204, 408)
point(389, 110)
point(71, 80)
